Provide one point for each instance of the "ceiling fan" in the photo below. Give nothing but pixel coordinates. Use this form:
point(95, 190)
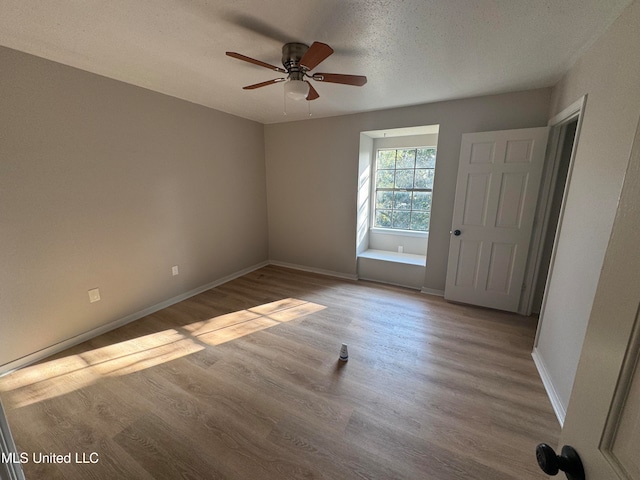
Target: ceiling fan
point(298, 59)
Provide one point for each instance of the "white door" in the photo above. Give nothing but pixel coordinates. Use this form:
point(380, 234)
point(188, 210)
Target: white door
point(603, 416)
point(496, 193)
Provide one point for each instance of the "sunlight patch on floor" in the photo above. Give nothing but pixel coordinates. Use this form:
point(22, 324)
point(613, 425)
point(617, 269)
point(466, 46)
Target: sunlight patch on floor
point(224, 328)
point(64, 375)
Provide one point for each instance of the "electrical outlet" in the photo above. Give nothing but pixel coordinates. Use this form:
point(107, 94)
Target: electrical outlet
point(174, 270)
point(400, 249)
point(94, 295)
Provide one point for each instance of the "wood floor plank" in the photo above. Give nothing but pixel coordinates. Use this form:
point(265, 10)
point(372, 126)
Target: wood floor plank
point(243, 382)
point(412, 454)
point(163, 452)
point(334, 459)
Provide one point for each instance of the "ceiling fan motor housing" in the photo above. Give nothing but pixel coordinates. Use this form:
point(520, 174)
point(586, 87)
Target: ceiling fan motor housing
point(292, 53)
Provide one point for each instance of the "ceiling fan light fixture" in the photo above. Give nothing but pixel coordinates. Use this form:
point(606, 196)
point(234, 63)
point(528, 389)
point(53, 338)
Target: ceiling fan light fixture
point(296, 89)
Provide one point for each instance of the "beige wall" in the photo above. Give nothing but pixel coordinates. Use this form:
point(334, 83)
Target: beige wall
point(107, 185)
point(364, 192)
point(312, 176)
point(609, 73)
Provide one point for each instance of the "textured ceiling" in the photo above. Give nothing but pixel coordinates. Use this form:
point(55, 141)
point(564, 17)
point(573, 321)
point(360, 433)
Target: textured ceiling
point(412, 51)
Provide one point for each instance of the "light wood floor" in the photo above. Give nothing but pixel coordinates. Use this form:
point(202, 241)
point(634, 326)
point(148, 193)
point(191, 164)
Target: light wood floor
point(243, 382)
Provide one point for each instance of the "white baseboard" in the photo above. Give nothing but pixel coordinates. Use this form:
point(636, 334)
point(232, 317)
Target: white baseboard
point(83, 337)
point(304, 268)
point(554, 398)
point(432, 291)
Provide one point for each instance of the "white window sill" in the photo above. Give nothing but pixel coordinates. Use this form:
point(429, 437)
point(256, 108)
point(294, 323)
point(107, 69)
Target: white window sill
point(395, 257)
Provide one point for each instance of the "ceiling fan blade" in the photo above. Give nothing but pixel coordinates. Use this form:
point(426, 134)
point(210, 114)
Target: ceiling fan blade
point(239, 56)
point(317, 53)
point(312, 95)
point(355, 80)
point(263, 84)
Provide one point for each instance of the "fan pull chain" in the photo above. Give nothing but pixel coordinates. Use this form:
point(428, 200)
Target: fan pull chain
point(284, 102)
point(309, 104)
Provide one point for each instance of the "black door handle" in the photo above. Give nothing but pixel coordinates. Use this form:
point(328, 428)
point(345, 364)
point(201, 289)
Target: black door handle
point(457, 233)
point(568, 461)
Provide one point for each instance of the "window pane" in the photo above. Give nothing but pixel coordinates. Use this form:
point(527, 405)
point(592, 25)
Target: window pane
point(406, 158)
point(386, 158)
point(398, 173)
point(424, 177)
point(401, 219)
point(420, 221)
point(422, 201)
point(383, 218)
point(402, 201)
point(384, 200)
point(426, 158)
point(404, 178)
point(384, 179)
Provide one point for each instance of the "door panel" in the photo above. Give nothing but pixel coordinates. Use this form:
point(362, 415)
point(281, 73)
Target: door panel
point(497, 189)
point(622, 431)
point(511, 201)
point(519, 151)
point(475, 208)
point(482, 153)
point(467, 272)
point(501, 267)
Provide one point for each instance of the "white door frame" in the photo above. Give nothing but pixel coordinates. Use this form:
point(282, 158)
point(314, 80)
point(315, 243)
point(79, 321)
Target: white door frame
point(11, 470)
point(541, 222)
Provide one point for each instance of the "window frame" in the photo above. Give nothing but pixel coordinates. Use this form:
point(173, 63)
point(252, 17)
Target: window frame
point(374, 191)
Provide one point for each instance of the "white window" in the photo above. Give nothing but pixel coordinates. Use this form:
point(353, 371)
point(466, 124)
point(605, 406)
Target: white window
point(403, 188)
